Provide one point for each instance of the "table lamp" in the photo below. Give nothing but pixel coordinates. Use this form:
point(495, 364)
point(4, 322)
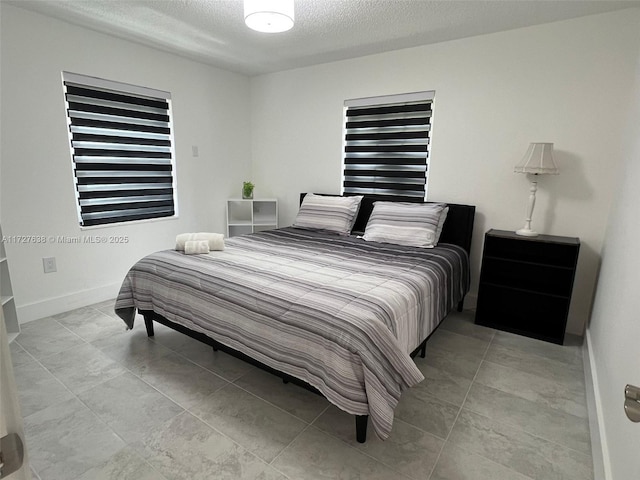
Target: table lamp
point(537, 161)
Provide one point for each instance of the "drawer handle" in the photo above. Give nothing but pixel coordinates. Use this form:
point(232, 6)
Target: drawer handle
point(632, 403)
point(11, 454)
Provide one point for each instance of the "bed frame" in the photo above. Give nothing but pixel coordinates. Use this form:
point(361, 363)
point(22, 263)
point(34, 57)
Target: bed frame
point(457, 229)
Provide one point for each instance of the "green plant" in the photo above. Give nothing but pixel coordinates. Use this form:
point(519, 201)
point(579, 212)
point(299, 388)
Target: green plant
point(247, 189)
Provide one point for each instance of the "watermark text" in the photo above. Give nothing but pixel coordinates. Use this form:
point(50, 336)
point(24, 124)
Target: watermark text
point(65, 239)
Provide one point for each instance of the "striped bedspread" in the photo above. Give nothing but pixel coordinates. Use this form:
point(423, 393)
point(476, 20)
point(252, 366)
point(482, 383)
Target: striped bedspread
point(340, 313)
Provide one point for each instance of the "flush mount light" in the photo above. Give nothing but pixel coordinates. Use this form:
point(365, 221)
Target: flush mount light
point(268, 16)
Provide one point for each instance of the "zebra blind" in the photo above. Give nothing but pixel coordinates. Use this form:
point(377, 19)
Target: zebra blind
point(386, 145)
point(122, 150)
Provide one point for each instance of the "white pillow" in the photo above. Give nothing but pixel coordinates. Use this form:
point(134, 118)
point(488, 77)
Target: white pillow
point(411, 224)
point(334, 214)
point(443, 217)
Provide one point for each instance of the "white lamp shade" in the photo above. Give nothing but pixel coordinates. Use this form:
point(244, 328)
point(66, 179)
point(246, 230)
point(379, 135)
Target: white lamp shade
point(538, 159)
point(269, 16)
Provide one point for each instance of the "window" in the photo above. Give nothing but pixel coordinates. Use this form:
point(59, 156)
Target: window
point(386, 145)
point(122, 150)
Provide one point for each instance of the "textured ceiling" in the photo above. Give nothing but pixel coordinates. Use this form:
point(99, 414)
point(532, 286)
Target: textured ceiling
point(213, 31)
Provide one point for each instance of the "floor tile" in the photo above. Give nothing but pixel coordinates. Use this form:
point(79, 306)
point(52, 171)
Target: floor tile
point(529, 455)
point(271, 473)
point(536, 364)
point(129, 406)
point(523, 416)
point(256, 425)
point(418, 408)
point(458, 362)
point(46, 337)
point(316, 455)
point(569, 354)
point(170, 338)
point(533, 387)
point(134, 350)
point(89, 323)
point(121, 334)
point(223, 364)
point(34, 475)
point(408, 450)
point(182, 381)
point(124, 465)
point(296, 400)
point(445, 377)
point(38, 388)
point(457, 464)
point(548, 423)
point(454, 342)
point(82, 367)
point(67, 439)
point(107, 305)
point(463, 324)
point(19, 355)
point(187, 449)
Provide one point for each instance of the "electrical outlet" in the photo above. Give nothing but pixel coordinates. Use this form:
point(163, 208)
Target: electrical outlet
point(194, 151)
point(49, 264)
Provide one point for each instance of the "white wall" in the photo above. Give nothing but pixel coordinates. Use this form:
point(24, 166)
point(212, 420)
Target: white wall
point(566, 82)
point(211, 110)
point(614, 330)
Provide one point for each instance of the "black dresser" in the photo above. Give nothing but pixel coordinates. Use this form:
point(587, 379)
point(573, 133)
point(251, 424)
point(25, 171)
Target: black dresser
point(526, 283)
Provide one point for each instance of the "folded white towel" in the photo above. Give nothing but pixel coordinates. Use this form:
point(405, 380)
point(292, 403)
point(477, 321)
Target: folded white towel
point(215, 240)
point(192, 247)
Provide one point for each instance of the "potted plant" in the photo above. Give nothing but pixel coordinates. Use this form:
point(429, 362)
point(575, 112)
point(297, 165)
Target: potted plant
point(247, 190)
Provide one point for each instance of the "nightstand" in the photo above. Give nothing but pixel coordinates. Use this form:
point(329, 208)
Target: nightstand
point(526, 283)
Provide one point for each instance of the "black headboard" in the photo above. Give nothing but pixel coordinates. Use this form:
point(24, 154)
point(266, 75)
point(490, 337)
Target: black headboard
point(457, 229)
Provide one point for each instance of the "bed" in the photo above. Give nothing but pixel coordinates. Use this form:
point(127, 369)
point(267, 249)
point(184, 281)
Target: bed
point(333, 313)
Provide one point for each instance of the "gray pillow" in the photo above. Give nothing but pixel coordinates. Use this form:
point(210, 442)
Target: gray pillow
point(334, 214)
point(411, 224)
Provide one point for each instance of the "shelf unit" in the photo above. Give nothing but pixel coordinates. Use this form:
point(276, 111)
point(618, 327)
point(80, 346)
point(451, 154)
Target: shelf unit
point(251, 215)
point(526, 284)
point(7, 301)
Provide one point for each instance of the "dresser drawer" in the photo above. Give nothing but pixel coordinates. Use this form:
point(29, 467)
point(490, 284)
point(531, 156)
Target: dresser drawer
point(534, 315)
point(528, 276)
point(561, 255)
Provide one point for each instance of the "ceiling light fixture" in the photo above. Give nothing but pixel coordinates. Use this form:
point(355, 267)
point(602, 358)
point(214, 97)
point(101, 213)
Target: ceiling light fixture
point(269, 16)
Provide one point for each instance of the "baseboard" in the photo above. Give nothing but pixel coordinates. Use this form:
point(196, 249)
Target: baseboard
point(470, 301)
point(64, 303)
point(599, 448)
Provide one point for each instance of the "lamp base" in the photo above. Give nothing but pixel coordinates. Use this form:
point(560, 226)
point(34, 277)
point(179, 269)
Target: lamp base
point(526, 232)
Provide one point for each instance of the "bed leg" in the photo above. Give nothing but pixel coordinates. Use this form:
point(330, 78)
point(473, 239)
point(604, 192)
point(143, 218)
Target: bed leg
point(460, 305)
point(423, 350)
point(148, 323)
point(361, 428)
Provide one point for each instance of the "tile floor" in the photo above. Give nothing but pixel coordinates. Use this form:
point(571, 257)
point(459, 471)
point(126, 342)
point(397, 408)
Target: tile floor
point(100, 402)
